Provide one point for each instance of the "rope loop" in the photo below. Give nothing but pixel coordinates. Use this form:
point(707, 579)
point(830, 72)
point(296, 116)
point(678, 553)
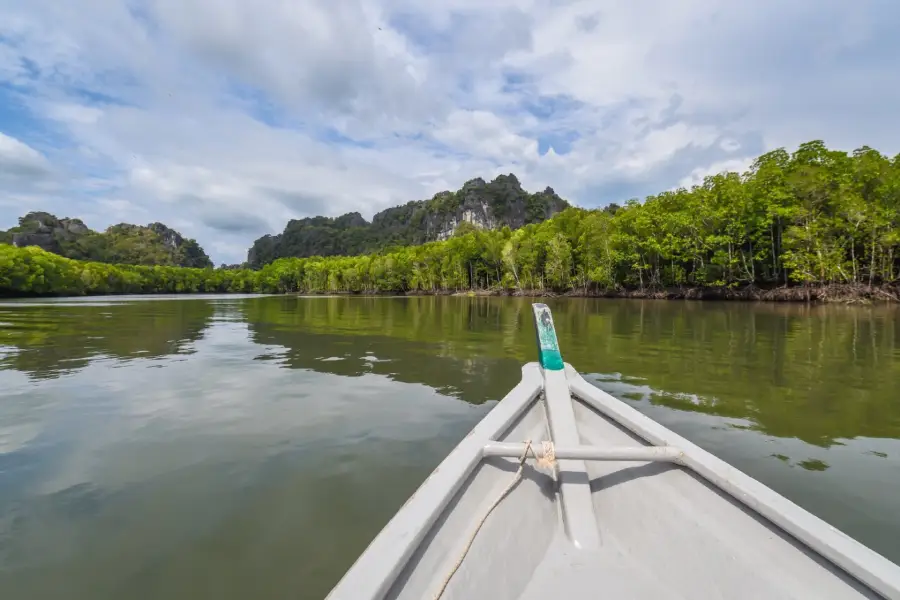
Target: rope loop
point(547, 460)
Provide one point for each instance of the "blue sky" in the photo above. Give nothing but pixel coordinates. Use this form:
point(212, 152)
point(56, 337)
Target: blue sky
point(226, 118)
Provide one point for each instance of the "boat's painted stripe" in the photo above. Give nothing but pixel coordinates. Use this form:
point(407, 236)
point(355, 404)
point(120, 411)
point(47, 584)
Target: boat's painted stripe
point(866, 565)
point(548, 346)
point(373, 573)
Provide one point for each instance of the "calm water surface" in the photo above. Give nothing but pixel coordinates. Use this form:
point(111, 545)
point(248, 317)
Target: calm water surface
point(238, 447)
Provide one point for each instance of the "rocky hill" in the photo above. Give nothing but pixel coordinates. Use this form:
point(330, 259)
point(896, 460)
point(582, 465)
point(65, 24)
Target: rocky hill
point(154, 244)
point(502, 202)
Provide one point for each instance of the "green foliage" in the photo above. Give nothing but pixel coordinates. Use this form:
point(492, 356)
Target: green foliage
point(502, 202)
point(155, 244)
point(813, 217)
point(464, 228)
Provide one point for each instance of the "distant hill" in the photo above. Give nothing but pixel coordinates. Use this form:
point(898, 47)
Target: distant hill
point(154, 244)
point(502, 202)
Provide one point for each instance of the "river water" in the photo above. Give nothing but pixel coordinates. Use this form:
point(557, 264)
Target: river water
point(250, 447)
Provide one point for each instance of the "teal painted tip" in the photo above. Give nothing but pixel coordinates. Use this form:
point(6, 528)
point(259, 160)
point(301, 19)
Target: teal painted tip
point(552, 361)
point(548, 347)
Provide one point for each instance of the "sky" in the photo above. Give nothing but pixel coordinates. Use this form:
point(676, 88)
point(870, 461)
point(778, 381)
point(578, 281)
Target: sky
point(226, 118)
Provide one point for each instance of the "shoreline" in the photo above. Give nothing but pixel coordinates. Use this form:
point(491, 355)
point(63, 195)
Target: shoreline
point(835, 293)
point(848, 294)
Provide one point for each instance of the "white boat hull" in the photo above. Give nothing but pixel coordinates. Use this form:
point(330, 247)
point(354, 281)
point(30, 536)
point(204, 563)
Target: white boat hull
point(684, 525)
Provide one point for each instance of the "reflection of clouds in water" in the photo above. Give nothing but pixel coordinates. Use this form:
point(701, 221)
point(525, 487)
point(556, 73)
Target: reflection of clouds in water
point(135, 423)
point(625, 388)
point(20, 410)
point(7, 351)
point(371, 358)
point(15, 436)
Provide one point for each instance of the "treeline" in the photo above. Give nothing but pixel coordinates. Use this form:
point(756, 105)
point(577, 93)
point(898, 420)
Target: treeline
point(154, 244)
point(34, 271)
point(812, 218)
point(493, 204)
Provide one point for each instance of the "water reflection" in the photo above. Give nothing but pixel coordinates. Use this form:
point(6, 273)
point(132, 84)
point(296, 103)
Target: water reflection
point(417, 340)
point(224, 434)
point(216, 477)
point(821, 374)
point(50, 340)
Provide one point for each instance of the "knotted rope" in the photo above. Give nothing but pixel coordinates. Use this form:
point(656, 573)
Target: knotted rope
point(548, 460)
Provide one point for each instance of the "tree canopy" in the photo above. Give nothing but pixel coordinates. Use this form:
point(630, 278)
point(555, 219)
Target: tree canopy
point(813, 217)
point(501, 202)
point(154, 244)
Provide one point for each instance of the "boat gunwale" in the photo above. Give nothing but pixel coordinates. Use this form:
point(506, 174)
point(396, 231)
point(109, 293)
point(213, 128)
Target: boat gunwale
point(377, 568)
point(851, 556)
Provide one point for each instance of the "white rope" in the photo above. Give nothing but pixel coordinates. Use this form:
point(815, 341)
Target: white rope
point(548, 460)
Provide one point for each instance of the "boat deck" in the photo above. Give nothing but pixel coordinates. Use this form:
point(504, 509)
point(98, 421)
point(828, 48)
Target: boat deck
point(609, 529)
point(664, 533)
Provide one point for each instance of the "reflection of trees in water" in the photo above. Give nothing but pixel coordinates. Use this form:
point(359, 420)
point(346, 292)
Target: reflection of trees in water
point(817, 373)
point(449, 346)
point(51, 340)
point(810, 464)
point(350, 337)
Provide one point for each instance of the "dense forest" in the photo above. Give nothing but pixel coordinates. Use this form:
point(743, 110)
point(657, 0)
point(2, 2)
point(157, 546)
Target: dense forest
point(810, 220)
point(501, 202)
point(154, 244)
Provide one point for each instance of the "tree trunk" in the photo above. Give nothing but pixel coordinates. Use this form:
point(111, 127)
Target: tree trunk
point(872, 265)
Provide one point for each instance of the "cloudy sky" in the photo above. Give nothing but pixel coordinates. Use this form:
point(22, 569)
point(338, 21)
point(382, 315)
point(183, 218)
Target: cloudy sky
point(225, 118)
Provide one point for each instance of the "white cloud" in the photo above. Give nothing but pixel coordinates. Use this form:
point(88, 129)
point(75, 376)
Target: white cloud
point(483, 133)
point(15, 155)
point(729, 145)
point(696, 177)
point(73, 113)
point(225, 118)
point(661, 145)
point(23, 170)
